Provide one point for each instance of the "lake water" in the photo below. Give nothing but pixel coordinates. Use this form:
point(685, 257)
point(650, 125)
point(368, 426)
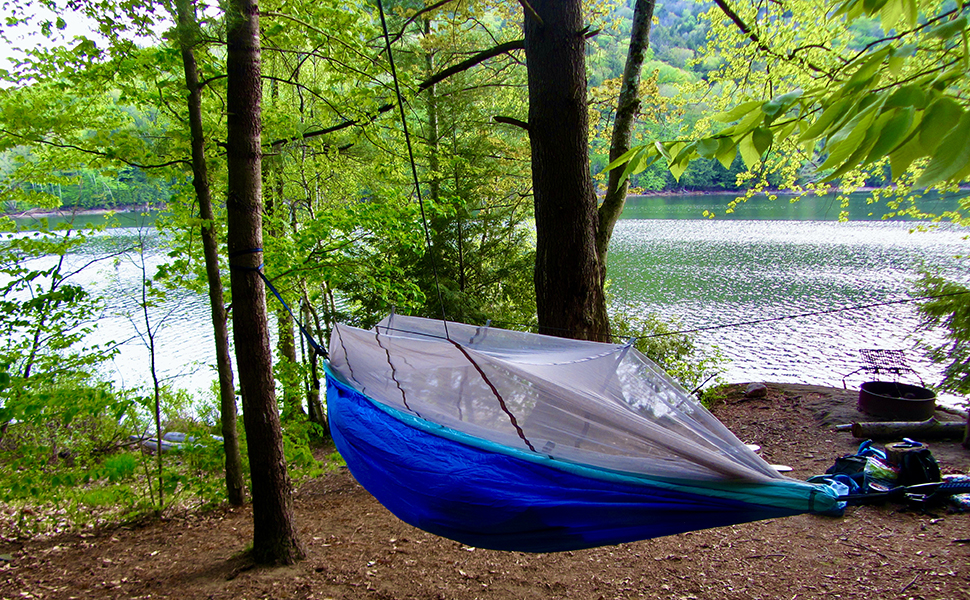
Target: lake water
point(741, 278)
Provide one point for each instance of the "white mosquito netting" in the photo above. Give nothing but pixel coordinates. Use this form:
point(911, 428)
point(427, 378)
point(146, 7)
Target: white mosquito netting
point(595, 404)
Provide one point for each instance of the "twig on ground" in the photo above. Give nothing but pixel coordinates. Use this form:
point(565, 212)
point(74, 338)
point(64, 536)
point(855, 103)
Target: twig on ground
point(861, 547)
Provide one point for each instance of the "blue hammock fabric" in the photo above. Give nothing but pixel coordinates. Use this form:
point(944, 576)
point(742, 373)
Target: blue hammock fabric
point(491, 495)
point(491, 499)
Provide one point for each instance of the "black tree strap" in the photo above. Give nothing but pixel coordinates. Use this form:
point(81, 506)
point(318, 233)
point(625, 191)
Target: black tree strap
point(317, 348)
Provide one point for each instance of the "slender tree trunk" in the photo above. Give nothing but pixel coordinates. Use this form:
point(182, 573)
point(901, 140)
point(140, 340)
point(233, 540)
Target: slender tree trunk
point(156, 385)
point(434, 182)
point(286, 343)
point(210, 248)
point(569, 285)
point(627, 106)
point(314, 406)
point(286, 348)
point(275, 537)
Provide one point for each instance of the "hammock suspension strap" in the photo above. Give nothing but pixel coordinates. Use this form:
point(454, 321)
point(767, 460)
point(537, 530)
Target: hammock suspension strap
point(317, 348)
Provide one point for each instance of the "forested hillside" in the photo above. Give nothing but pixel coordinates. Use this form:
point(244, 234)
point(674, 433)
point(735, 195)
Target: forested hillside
point(675, 57)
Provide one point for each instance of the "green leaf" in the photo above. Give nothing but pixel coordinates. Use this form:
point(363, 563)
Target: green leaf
point(737, 112)
point(787, 130)
point(892, 133)
point(848, 8)
point(890, 13)
point(754, 119)
point(832, 114)
point(761, 138)
point(938, 119)
point(643, 162)
point(952, 155)
point(868, 70)
point(902, 157)
point(845, 141)
point(708, 147)
point(686, 153)
point(677, 169)
point(727, 150)
point(749, 153)
point(871, 6)
point(856, 157)
point(949, 29)
point(623, 158)
point(779, 104)
point(912, 12)
point(908, 95)
point(862, 150)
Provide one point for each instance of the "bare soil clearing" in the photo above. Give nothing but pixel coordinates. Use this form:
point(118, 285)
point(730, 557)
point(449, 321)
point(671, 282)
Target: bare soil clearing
point(359, 550)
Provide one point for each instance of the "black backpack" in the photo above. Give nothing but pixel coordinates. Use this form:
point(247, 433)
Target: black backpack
point(918, 466)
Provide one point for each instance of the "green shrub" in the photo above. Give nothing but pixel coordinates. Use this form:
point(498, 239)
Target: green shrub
point(675, 352)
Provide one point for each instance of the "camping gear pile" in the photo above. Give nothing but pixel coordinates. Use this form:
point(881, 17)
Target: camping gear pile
point(904, 471)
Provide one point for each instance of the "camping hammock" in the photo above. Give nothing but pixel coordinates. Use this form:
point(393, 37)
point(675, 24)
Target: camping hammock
point(516, 441)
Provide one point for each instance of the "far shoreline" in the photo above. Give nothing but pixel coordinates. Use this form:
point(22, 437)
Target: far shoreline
point(42, 213)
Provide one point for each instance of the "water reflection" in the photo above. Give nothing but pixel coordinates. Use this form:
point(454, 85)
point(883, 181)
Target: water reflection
point(759, 208)
point(709, 274)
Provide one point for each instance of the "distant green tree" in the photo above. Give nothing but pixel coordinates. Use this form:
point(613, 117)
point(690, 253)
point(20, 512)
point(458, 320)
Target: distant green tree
point(45, 318)
point(832, 98)
point(947, 307)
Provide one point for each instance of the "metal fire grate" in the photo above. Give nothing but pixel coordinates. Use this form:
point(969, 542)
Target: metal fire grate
point(884, 362)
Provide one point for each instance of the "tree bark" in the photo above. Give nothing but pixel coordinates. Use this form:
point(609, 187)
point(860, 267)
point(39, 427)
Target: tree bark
point(627, 106)
point(187, 28)
point(275, 539)
point(569, 284)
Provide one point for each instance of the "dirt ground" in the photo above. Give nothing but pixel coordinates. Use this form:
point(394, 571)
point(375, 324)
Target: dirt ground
point(356, 549)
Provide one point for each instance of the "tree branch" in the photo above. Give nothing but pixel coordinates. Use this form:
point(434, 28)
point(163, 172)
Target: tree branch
point(511, 121)
point(532, 12)
point(412, 18)
point(745, 29)
point(471, 62)
point(99, 153)
point(754, 37)
point(333, 128)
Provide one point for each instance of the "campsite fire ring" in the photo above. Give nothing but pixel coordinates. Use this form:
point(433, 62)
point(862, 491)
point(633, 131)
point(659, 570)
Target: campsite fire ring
point(894, 400)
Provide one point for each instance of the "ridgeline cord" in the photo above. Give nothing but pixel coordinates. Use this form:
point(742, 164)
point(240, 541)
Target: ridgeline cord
point(768, 320)
point(414, 168)
point(808, 314)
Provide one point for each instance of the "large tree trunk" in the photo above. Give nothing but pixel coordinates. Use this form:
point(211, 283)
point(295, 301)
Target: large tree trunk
point(569, 284)
point(274, 531)
point(627, 106)
point(188, 27)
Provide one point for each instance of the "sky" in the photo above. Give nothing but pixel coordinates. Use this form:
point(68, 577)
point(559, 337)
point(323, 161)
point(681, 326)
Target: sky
point(29, 35)
point(26, 36)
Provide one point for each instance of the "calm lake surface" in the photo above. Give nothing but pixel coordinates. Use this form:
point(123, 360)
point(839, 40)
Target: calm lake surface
point(729, 276)
point(773, 260)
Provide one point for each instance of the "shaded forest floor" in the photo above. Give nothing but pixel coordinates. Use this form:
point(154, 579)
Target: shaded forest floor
point(356, 549)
